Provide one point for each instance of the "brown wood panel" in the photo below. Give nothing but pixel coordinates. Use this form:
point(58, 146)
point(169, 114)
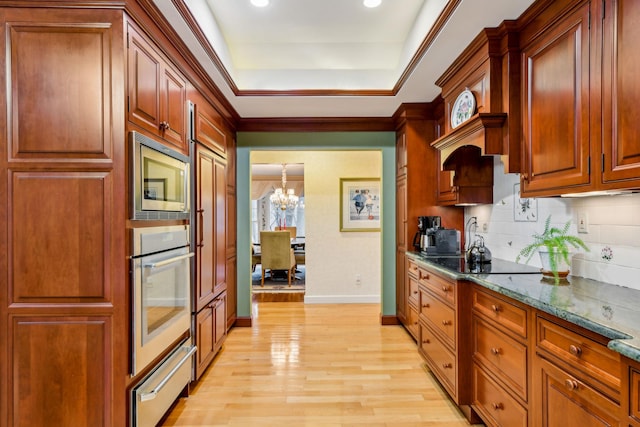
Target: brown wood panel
point(620, 92)
point(143, 85)
point(174, 109)
point(439, 286)
point(505, 312)
point(495, 405)
point(556, 105)
point(634, 394)
point(60, 71)
point(503, 356)
point(567, 401)
point(207, 131)
point(220, 225)
point(60, 237)
point(204, 227)
point(205, 324)
point(157, 94)
point(220, 315)
point(439, 359)
point(588, 355)
point(404, 242)
point(401, 287)
point(440, 317)
point(232, 291)
point(231, 223)
point(60, 371)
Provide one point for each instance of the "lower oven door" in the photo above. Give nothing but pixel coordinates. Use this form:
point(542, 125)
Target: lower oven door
point(151, 399)
point(161, 304)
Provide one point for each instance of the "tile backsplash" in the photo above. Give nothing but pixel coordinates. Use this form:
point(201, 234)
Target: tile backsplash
point(613, 228)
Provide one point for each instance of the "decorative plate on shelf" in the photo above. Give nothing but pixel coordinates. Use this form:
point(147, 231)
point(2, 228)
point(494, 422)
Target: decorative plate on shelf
point(463, 108)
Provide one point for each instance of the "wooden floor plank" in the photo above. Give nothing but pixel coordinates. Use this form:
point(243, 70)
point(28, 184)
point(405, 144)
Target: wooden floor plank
point(317, 365)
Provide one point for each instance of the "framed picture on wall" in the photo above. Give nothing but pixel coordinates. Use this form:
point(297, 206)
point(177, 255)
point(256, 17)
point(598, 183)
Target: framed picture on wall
point(524, 210)
point(360, 202)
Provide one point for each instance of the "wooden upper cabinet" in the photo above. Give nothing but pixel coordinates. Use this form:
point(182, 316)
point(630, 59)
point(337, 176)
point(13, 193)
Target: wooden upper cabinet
point(206, 131)
point(620, 92)
point(156, 93)
point(556, 106)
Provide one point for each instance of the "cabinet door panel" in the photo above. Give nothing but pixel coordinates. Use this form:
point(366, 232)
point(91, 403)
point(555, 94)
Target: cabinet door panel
point(566, 401)
point(143, 83)
point(620, 93)
point(205, 208)
point(220, 225)
point(205, 324)
point(57, 254)
point(60, 369)
point(556, 105)
point(174, 102)
point(60, 72)
point(220, 314)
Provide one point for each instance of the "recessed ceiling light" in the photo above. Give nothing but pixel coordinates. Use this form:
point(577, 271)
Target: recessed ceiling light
point(260, 3)
point(372, 3)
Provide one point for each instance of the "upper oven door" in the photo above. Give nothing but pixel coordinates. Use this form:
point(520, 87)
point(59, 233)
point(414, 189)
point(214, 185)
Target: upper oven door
point(160, 177)
point(161, 303)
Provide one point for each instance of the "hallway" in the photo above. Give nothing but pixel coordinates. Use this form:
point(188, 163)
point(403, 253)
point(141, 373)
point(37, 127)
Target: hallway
point(317, 365)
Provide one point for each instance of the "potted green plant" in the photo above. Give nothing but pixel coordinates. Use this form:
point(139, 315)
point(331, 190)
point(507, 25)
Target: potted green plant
point(554, 246)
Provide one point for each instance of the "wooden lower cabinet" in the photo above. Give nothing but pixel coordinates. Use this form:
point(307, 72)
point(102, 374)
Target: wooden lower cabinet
point(444, 341)
point(631, 390)
point(210, 332)
point(500, 358)
point(566, 400)
point(494, 404)
point(576, 378)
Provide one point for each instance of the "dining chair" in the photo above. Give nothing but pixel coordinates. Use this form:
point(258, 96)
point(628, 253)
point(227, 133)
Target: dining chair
point(277, 254)
point(292, 230)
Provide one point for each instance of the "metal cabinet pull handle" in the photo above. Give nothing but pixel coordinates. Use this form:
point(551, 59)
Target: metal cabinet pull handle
point(575, 350)
point(446, 365)
point(495, 351)
point(496, 308)
point(426, 341)
point(497, 406)
point(571, 384)
point(153, 393)
point(425, 305)
point(445, 288)
point(446, 322)
point(169, 261)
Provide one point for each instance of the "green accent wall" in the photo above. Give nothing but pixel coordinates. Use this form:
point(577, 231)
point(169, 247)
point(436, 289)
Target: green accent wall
point(316, 141)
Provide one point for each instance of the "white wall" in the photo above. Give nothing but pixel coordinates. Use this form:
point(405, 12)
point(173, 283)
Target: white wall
point(334, 258)
point(614, 228)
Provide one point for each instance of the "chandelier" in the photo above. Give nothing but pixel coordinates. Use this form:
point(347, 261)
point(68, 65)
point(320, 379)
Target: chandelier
point(284, 198)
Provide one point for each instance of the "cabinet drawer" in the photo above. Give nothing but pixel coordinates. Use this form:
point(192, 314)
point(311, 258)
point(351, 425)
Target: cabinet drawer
point(440, 360)
point(494, 404)
point(439, 286)
point(500, 310)
point(439, 315)
point(412, 268)
point(502, 355)
point(590, 357)
point(413, 291)
point(412, 322)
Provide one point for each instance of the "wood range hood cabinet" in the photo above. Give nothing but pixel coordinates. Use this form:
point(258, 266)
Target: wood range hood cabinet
point(489, 67)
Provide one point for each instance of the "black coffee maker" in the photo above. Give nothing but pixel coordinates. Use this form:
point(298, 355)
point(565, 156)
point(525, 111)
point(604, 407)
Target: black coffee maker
point(425, 238)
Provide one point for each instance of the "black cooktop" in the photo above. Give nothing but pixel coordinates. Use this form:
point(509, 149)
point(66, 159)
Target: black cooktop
point(458, 264)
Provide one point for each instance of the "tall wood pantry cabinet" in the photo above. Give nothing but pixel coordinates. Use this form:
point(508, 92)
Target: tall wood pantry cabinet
point(78, 79)
point(63, 265)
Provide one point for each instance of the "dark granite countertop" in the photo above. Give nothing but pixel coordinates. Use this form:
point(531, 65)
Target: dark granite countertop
point(609, 310)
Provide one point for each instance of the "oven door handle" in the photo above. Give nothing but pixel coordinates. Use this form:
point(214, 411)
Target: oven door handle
point(153, 393)
point(169, 261)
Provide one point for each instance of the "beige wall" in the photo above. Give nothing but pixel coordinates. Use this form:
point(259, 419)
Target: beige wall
point(334, 258)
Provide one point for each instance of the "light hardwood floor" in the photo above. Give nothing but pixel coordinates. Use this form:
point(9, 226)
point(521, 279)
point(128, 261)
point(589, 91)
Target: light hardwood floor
point(317, 365)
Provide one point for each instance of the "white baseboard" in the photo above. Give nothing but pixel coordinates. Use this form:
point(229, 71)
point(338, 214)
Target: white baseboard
point(342, 299)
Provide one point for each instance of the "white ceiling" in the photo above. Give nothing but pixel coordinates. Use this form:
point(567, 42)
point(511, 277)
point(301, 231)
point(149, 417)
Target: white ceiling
point(327, 47)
